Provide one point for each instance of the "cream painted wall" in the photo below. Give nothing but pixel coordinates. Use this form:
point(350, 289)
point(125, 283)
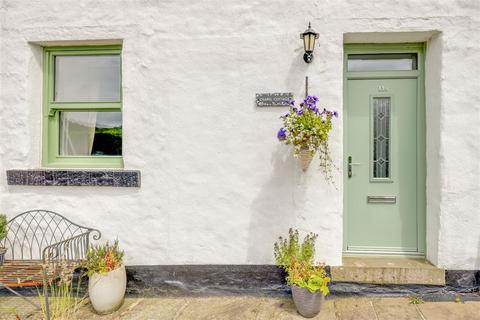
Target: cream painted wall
point(216, 185)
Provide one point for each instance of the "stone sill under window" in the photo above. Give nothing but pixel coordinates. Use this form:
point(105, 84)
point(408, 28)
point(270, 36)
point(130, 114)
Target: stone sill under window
point(80, 178)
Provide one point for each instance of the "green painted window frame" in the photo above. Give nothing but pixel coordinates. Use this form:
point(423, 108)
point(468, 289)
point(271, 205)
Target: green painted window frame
point(52, 109)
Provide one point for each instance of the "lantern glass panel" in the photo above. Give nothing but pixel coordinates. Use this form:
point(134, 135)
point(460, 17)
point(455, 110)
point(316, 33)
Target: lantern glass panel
point(311, 42)
point(306, 39)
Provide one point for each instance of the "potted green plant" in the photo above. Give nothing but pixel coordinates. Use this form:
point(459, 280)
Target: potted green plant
point(308, 280)
point(3, 235)
point(306, 127)
point(107, 277)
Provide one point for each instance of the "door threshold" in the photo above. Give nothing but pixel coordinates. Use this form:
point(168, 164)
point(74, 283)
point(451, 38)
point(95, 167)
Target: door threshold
point(367, 253)
point(388, 270)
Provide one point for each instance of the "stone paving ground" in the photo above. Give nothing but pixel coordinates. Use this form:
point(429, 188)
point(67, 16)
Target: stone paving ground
point(246, 308)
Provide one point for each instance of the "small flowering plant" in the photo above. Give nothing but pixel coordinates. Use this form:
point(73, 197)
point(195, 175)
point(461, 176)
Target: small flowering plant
point(103, 258)
point(307, 127)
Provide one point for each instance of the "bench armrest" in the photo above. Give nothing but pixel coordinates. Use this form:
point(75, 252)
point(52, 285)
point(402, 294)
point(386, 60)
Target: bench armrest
point(71, 249)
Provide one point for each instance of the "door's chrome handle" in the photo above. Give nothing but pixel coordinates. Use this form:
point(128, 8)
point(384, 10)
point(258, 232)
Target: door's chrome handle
point(350, 164)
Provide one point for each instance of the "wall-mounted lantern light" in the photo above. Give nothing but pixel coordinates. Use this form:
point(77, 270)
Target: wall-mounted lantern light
point(309, 39)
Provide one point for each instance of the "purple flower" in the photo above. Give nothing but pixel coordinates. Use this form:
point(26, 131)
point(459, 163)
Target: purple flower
point(281, 134)
point(335, 114)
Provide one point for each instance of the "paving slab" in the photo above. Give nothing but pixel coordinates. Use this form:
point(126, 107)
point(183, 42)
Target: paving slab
point(139, 309)
point(248, 308)
point(450, 311)
point(258, 308)
point(218, 308)
point(396, 309)
point(354, 309)
point(11, 306)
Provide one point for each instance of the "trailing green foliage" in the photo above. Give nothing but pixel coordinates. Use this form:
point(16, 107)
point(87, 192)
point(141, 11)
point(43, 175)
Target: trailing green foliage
point(3, 226)
point(297, 259)
point(103, 258)
point(312, 278)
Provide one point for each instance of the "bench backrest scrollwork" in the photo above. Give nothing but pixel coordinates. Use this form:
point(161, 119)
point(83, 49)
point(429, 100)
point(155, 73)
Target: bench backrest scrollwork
point(43, 234)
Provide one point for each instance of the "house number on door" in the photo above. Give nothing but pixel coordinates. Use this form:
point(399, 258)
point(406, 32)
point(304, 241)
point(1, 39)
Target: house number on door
point(381, 88)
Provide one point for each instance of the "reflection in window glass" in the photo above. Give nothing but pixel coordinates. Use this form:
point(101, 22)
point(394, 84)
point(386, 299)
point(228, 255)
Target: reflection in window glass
point(87, 78)
point(91, 133)
point(382, 62)
point(381, 137)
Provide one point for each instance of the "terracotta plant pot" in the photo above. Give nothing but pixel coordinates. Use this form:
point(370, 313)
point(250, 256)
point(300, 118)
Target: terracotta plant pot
point(107, 290)
point(305, 157)
point(308, 304)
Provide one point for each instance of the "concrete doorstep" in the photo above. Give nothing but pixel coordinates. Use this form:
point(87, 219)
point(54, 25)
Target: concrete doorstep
point(388, 270)
point(259, 308)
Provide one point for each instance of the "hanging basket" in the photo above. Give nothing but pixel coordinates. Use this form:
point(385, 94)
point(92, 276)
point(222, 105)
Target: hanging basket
point(305, 157)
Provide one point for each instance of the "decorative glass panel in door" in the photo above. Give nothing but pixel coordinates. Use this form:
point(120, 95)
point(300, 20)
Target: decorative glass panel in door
point(381, 137)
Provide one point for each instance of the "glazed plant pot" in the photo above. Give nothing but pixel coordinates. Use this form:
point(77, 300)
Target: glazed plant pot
point(107, 290)
point(305, 157)
point(308, 304)
point(2, 255)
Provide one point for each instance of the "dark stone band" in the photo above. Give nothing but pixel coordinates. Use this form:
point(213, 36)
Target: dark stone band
point(93, 178)
point(268, 280)
point(199, 280)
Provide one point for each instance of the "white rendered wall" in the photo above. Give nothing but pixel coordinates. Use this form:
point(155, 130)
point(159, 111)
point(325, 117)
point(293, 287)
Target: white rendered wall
point(217, 188)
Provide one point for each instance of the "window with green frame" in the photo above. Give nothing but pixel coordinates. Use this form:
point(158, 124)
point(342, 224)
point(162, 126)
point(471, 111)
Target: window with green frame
point(82, 107)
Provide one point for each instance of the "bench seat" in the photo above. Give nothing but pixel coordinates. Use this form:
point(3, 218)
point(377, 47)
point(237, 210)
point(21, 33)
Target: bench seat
point(27, 273)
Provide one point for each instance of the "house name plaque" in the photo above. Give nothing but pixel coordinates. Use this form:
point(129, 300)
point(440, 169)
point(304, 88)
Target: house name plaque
point(279, 99)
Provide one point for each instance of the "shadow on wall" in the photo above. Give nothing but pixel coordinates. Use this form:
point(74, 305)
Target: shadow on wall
point(273, 210)
point(295, 80)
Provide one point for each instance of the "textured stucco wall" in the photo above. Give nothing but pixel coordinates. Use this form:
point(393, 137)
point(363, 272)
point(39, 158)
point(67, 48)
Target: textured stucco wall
point(216, 185)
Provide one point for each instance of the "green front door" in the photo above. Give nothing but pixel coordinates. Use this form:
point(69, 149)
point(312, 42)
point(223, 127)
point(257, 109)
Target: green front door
point(384, 177)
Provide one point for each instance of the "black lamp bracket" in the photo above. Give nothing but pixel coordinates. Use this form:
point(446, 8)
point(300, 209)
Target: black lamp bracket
point(308, 57)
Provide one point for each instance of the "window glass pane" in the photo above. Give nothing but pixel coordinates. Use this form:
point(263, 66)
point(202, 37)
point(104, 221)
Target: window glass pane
point(382, 62)
point(91, 133)
point(87, 78)
point(381, 137)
